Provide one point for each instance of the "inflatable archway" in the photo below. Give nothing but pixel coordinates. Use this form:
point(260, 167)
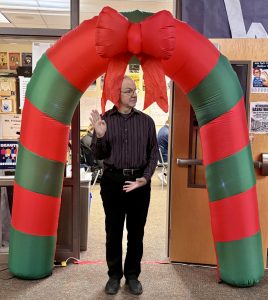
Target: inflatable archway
point(60, 78)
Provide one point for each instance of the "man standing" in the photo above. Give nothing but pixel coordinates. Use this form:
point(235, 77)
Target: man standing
point(125, 138)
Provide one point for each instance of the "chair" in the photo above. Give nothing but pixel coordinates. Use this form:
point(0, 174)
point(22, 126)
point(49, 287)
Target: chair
point(164, 165)
point(98, 174)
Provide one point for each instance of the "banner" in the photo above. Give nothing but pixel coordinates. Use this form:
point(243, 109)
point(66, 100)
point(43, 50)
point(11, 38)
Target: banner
point(227, 18)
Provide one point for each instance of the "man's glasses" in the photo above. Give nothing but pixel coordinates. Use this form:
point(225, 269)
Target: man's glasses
point(130, 92)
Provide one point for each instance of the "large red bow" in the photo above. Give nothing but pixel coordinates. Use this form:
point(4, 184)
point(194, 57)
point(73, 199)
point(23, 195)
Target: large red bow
point(151, 40)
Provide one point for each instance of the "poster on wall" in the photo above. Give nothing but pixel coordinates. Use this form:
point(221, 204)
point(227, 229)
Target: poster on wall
point(11, 124)
point(26, 59)
point(258, 117)
point(259, 77)
point(134, 68)
point(23, 85)
point(226, 18)
point(136, 78)
point(14, 60)
point(3, 60)
point(6, 105)
point(37, 51)
point(8, 158)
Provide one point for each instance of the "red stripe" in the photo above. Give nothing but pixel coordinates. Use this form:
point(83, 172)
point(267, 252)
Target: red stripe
point(99, 261)
point(43, 135)
point(193, 59)
point(34, 213)
point(75, 57)
point(217, 138)
point(235, 217)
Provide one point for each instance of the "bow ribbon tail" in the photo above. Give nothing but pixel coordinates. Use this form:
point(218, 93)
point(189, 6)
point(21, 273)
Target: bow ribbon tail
point(155, 83)
point(113, 79)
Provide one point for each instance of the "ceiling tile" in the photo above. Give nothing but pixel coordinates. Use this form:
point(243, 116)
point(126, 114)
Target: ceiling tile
point(33, 19)
point(63, 21)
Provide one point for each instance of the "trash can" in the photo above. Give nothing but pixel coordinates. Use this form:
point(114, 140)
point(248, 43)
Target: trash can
point(85, 200)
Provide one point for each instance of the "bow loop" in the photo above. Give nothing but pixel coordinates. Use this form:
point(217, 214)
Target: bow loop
point(111, 35)
point(158, 35)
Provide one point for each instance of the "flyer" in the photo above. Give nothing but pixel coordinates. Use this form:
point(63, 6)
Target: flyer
point(26, 59)
point(14, 60)
point(259, 83)
point(8, 158)
point(258, 117)
point(3, 60)
point(23, 85)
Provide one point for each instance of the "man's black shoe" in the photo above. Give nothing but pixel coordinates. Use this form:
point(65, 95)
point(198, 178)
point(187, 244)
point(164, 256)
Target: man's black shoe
point(134, 286)
point(112, 286)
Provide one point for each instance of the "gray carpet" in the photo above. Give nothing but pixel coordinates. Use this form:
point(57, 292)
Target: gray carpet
point(160, 281)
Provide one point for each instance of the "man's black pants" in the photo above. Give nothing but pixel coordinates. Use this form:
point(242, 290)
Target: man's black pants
point(118, 206)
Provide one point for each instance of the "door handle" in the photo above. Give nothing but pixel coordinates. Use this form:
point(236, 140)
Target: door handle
point(188, 162)
point(262, 164)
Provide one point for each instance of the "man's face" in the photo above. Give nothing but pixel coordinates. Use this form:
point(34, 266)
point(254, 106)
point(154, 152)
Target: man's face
point(128, 93)
point(257, 73)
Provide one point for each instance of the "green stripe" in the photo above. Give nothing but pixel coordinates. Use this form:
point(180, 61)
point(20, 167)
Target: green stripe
point(51, 93)
point(38, 174)
point(217, 93)
point(231, 176)
point(136, 15)
point(30, 257)
point(241, 262)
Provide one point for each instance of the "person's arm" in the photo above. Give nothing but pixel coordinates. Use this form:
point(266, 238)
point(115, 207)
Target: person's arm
point(152, 153)
point(265, 80)
point(100, 147)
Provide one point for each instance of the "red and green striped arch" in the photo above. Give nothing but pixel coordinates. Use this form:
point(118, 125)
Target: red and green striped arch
point(59, 80)
point(230, 174)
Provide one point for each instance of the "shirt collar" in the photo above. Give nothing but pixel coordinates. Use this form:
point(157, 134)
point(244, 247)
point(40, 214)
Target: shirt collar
point(115, 111)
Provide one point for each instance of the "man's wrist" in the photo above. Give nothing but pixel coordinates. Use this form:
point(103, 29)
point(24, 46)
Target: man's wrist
point(146, 177)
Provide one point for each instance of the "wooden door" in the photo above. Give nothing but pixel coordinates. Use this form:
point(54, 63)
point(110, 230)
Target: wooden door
point(190, 235)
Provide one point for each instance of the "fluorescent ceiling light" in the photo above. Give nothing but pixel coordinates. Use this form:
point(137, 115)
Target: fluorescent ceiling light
point(3, 19)
point(63, 5)
point(2, 7)
point(46, 13)
point(55, 4)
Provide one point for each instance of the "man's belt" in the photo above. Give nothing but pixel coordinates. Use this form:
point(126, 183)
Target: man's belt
point(127, 172)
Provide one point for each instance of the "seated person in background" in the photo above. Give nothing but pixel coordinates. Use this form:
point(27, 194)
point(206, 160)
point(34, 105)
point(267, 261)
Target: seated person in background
point(86, 155)
point(162, 139)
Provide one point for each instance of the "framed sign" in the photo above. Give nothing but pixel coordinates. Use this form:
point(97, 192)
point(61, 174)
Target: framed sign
point(8, 158)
